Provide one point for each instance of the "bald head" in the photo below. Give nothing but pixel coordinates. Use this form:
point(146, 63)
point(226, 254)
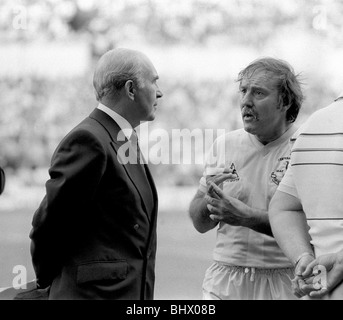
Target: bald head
point(116, 67)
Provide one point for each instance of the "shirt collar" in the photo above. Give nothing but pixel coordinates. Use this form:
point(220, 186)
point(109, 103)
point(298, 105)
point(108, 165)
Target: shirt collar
point(124, 125)
point(287, 135)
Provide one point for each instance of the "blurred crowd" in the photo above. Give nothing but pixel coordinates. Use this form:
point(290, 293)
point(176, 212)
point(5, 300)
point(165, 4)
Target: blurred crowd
point(38, 111)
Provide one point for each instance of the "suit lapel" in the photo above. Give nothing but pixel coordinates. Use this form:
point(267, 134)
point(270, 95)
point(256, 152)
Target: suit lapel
point(142, 182)
point(138, 177)
point(152, 183)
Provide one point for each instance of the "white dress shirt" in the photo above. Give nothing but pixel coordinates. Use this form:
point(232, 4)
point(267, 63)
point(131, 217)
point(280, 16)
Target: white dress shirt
point(124, 125)
point(127, 130)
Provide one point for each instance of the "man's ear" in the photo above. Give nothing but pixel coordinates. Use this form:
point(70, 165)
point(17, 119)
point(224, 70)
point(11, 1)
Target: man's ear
point(282, 106)
point(286, 107)
point(130, 89)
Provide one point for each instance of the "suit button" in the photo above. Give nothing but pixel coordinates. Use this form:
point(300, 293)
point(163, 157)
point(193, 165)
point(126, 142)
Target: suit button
point(136, 226)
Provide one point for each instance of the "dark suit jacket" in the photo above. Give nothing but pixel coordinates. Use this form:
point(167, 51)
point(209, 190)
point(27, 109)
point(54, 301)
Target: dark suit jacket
point(94, 234)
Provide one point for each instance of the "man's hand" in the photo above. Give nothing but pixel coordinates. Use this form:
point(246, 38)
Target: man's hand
point(218, 179)
point(225, 208)
point(327, 271)
point(198, 209)
point(302, 286)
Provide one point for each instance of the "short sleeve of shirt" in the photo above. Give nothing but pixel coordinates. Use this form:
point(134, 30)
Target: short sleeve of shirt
point(209, 160)
point(211, 165)
point(287, 183)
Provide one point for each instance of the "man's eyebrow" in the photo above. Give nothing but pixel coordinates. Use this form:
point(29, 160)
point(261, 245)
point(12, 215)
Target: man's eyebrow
point(262, 88)
point(253, 87)
point(258, 88)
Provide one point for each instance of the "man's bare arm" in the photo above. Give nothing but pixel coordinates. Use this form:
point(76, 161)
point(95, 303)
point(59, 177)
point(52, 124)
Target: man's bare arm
point(199, 213)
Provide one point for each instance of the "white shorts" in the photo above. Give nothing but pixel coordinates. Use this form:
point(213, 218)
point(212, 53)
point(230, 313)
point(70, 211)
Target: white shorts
point(224, 282)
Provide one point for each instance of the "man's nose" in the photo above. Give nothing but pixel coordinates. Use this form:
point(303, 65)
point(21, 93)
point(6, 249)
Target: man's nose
point(246, 100)
point(159, 93)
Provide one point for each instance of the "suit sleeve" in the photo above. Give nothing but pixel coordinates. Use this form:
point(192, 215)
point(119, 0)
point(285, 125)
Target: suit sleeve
point(75, 174)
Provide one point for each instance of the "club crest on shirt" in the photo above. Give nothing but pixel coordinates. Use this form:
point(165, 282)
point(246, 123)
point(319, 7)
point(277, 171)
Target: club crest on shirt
point(280, 170)
point(232, 169)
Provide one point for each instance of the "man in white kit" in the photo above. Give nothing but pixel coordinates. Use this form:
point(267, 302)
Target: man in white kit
point(312, 192)
point(248, 264)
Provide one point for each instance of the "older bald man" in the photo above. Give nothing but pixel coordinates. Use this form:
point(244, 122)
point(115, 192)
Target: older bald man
point(94, 233)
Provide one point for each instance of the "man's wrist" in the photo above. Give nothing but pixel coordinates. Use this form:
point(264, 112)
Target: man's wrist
point(256, 218)
point(304, 254)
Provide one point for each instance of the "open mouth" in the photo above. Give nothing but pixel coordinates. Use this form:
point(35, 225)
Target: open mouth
point(249, 116)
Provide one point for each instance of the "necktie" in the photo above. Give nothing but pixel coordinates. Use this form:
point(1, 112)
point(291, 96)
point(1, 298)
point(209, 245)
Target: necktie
point(135, 144)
